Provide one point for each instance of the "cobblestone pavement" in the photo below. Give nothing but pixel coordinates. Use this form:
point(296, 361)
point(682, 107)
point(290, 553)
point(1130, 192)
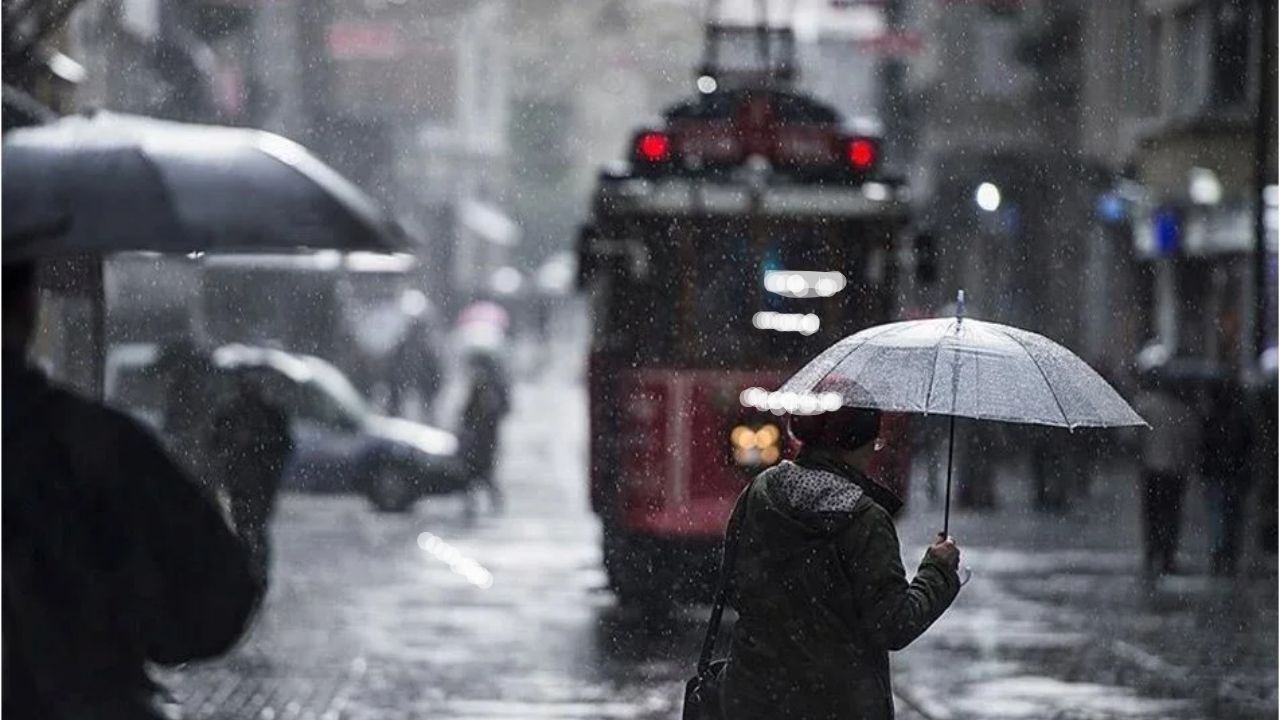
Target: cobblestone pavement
point(426, 615)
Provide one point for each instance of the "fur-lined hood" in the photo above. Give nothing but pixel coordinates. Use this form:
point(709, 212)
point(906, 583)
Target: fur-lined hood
point(820, 500)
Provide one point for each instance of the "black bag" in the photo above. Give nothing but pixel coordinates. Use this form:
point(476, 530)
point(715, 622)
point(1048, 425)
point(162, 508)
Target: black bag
point(702, 691)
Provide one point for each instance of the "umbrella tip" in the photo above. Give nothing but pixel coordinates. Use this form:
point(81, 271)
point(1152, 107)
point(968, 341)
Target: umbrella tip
point(960, 305)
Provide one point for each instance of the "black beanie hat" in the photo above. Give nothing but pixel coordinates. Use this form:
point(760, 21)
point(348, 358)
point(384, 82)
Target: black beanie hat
point(848, 428)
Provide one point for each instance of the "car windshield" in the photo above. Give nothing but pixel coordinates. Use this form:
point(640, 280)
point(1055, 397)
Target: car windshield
point(332, 384)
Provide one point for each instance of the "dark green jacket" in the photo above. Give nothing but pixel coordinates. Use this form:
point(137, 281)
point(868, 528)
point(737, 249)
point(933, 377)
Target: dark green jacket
point(822, 597)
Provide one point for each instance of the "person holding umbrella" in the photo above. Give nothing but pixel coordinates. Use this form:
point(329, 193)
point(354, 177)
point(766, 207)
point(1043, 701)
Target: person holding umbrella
point(818, 582)
point(114, 558)
point(819, 589)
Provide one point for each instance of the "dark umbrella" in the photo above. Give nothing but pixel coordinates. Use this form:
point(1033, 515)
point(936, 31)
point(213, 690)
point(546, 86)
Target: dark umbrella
point(962, 368)
point(109, 182)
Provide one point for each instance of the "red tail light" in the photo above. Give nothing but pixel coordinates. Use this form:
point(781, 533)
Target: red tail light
point(862, 153)
point(653, 147)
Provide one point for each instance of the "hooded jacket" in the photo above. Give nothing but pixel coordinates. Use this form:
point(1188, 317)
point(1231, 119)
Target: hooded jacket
point(822, 596)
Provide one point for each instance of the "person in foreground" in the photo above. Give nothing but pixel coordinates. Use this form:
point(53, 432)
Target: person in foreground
point(818, 583)
point(113, 558)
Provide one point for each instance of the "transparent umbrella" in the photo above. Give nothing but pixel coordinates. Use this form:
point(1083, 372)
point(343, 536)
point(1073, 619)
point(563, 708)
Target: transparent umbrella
point(963, 368)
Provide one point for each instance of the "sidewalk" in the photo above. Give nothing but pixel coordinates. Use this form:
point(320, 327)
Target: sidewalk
point(1056, 622)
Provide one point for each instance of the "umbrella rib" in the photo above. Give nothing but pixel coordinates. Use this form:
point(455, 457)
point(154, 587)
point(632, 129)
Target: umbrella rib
point(933, 376)
point(1035, 362)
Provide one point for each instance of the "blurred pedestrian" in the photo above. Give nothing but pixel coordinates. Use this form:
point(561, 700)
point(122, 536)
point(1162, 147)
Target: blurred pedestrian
point(1267, 460)
point(417, 369)
point(1226, 467)
point(488, 401)
point(189, 377)
point(1170, 452)
point(979, 449)
point(252, 443)
point(113, 558)
point(1062, 465)
point(814, 570)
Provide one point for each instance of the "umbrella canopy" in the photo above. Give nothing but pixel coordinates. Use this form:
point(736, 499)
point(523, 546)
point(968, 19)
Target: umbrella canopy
point(110, 182)
point(965, 368)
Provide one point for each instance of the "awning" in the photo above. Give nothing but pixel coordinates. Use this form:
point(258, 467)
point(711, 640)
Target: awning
point(489, 223)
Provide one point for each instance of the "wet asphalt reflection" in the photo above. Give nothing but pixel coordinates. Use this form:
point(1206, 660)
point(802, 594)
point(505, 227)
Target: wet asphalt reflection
point(430, 615)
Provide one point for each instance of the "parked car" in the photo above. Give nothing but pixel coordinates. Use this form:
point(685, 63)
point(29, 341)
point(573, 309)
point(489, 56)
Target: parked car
point(341, 444)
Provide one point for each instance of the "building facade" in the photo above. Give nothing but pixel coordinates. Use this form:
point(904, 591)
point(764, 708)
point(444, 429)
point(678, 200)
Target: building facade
point(1185, 124)
point(994, 93)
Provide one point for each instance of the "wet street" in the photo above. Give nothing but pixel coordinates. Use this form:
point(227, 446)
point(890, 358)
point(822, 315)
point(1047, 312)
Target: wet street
point(428, 615)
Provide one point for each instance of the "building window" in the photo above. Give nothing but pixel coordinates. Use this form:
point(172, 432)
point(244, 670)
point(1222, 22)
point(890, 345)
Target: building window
point(1147, 92)
point(1182, 88)
point(1000, 74)
point(1229, 62)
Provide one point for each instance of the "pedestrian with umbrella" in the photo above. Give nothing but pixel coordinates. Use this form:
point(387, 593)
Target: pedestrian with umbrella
point(817, 579)
point(114, 558)
point(965, 368)
point(811, 559)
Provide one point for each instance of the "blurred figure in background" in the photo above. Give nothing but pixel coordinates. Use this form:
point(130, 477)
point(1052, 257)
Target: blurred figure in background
point(487, 404)
point(113, 558)
point(1267, 463)
point(1052, 469)
point(188, 374)
point(416, 368)
point(1170, 451)
point(252, 444)
point(979, 450)
point(1226, 466)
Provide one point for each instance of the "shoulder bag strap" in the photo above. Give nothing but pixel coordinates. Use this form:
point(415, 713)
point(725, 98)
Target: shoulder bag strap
point(726, 568)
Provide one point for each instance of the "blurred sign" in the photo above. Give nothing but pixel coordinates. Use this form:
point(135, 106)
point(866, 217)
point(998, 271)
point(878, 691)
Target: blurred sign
point(1111, 208)
point(388, 69)
point(1166, 231)
point(990, 4)
point(355, 40)
point(1156, 234)
point(1213, 232)
point(893, 44)
point(1194, 232)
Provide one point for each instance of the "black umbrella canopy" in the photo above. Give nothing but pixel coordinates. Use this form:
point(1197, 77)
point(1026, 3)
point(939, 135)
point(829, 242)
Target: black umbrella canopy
point(111, 182)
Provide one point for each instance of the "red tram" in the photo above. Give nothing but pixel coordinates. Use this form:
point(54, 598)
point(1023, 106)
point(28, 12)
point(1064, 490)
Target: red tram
point(748, 232)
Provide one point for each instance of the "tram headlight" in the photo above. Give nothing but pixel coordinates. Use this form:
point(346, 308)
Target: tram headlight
point(768, 436)
point(755, 447)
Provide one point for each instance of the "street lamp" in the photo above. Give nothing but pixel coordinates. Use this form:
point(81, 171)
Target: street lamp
point(1203, 186)
point(987, 196)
